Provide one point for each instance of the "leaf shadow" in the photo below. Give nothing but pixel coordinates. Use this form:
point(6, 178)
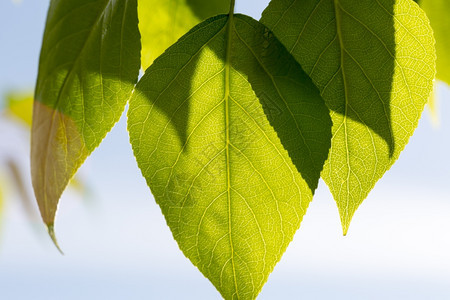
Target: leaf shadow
point(290, 101)
point(178, 66)
point(177, 114)
point(206, 9)
point(369, 104)
point(358, 59)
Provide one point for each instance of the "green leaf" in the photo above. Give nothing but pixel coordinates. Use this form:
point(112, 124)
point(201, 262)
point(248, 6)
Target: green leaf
point(163, 22)
point(87, 70)
point(209, 123)
point(438, 11)
point(374, 64)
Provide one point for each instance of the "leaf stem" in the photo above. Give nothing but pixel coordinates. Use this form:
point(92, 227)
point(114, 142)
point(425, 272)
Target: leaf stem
point(231, 12)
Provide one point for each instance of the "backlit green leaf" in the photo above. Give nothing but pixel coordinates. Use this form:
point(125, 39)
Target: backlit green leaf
point(88, 67)
point(438, 11)
point(231, 136)
point(163, 22)
point(374, 63)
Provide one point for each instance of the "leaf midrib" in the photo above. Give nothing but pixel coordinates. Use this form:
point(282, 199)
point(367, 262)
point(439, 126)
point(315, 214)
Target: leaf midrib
point(229, 33)
point(344, 78)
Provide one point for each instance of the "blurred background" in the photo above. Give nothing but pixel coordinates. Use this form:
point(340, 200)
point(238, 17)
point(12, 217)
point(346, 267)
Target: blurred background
point(117, 244)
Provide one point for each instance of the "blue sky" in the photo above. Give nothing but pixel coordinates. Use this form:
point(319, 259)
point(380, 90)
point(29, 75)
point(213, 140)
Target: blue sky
point(117, 244)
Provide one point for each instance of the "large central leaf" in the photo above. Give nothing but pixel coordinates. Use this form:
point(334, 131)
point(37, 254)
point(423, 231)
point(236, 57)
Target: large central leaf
point(374, 64)
point(230, 135)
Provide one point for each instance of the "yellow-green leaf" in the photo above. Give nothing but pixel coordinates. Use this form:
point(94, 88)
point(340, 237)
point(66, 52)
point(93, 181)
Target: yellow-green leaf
point(438, 12)
point(231, 136)
point(433, 108)
point(163, 22)
point(20, 105)
point(88, 66)
point(374, 64)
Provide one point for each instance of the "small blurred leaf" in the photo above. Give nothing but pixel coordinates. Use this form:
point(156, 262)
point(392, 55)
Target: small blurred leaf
point(77, 184)
point(433, 108)
point(163, 22)
point(20, 105)
point(21, 186)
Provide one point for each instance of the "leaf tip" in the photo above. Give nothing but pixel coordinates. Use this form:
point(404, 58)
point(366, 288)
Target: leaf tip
point(345, 227)
point(51, 232)
point(345, 223)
